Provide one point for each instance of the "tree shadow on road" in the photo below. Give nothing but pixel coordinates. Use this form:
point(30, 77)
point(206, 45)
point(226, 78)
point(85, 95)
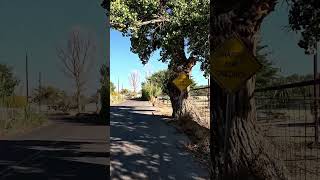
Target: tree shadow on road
point(84, 119)
point(144, 147)
point(137, 99)
point(36, 159)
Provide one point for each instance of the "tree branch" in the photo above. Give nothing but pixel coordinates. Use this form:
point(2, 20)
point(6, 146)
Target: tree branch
point(154, 21)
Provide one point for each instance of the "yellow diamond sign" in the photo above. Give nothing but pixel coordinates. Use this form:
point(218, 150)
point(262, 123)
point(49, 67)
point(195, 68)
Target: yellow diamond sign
point(232, 65)
point(182, 81)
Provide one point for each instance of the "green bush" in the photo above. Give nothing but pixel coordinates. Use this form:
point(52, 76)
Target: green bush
point(116, 97)
point(149, 90)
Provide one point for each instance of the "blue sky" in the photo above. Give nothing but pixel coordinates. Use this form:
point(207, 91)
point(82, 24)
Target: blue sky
point(283, 45)
point(41, 26)
point(286, 54)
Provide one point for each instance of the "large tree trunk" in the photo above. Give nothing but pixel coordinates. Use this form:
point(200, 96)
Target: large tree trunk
point(180, 102)
point(239, 150)
point(182, 107)
point(247, 152)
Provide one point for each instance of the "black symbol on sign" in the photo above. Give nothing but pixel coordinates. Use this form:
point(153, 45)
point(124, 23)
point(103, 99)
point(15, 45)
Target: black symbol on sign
point(232, 63)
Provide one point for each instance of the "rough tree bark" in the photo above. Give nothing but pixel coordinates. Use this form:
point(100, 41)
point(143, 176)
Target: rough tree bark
point(182, 107)
point(181, 104)
point(248, 154)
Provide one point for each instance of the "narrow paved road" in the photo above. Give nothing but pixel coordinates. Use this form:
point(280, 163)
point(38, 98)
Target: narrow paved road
point(67, 149)
point(143, 146)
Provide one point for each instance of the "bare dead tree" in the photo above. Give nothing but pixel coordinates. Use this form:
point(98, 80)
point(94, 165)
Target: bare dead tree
point(134, 80)
point(77, 58)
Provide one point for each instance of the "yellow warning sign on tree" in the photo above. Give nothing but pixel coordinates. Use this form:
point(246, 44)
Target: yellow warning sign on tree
point(232, 64)
point(182, 81)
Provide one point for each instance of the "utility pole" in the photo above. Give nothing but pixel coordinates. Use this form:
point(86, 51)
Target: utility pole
point(27, 89)
point(27, 78)
point(40, 91)
point(118, 86)
point(315, 75)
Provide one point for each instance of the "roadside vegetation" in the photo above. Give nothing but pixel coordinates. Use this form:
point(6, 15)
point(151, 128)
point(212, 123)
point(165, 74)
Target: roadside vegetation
point(15, 113)
point(19, 119)
point(115, 97)
point(118, 96)
point(155, 86)
point(58, 100)
point(150, 91)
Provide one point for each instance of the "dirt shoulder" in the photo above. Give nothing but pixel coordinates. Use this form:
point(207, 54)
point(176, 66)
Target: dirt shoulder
point(4, 134)
point(198, 135)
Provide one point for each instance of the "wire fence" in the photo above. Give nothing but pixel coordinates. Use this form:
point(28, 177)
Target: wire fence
point(15, 113)
point(288, 116)
point(200, 98)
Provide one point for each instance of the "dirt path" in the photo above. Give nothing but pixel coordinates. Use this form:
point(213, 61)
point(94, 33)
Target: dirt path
point(143, 146)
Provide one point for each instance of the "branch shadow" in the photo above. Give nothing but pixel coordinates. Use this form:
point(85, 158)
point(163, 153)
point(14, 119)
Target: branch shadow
point(37, 159)
point(137, 99)
point(84, 119)
point(144, 147)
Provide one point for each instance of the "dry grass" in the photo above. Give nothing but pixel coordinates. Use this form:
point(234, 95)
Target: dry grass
point(116, 98)
point(19, 120)
point(164, 108)
point(293, 134)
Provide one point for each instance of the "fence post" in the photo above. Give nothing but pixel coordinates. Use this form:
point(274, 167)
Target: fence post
point(315, 96)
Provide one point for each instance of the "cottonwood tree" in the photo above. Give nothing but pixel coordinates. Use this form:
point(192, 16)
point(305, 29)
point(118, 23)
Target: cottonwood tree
point(134, 79)
point(248, 154)
point(77, 58)
point(179, 29)
point(304, 18)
